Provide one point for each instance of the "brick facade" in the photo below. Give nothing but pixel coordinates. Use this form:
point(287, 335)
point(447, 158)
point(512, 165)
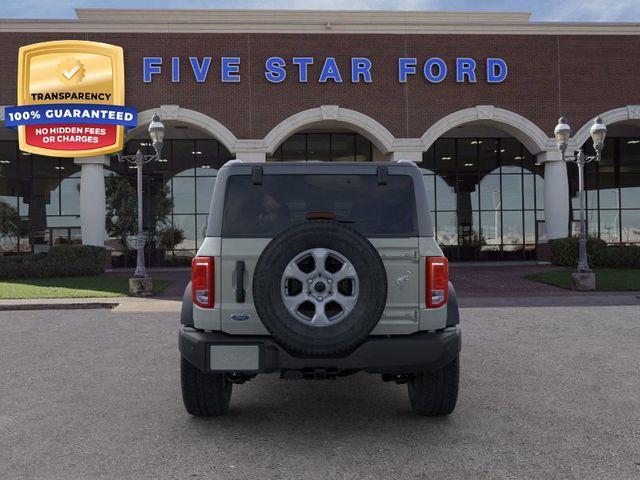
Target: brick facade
point(574, 75)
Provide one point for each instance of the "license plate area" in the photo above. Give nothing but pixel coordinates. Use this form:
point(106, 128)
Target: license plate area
point(234, 358)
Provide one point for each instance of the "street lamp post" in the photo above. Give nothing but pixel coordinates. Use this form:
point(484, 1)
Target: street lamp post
point(156, 133)
point(562, 133)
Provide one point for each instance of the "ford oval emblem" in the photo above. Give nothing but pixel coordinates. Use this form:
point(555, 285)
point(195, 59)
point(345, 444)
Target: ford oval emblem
point(240, 317)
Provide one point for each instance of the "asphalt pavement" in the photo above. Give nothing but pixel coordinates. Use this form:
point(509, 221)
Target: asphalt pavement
point(546, 392)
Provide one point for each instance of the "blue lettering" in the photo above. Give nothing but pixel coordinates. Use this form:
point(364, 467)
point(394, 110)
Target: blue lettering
point(275, 69)
point(151, 66)
point(330, 71)
point(175, 69)
point(406, 66)
point(465, 67)
point(303, 64)
point(200, 71)
point(230, 69)
point(428, 70)
point(496, 70)
point(360, 67)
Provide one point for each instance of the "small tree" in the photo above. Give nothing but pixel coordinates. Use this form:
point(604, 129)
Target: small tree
point(9, 221)
point(169, 237)
point(122, 208)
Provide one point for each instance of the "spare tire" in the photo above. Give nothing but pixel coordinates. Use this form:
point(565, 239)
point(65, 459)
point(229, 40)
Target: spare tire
point(319, 288)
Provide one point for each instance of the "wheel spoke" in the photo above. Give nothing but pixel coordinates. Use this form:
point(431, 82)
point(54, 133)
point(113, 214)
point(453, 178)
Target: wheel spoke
point(293, 302)
point(319, 257)
point(320, 318)
point(293, 271)
point(347, 271)
point(346, 302)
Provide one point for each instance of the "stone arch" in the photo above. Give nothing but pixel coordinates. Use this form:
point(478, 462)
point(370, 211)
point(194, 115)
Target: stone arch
point(527, 132)
point(373, 130)
point(622, 114)
point(180, 114)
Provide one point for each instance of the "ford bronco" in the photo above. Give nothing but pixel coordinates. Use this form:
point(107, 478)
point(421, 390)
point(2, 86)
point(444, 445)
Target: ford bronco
point(319, 270)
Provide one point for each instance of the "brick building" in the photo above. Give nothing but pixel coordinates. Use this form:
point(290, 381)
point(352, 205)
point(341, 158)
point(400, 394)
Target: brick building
point(473, 98)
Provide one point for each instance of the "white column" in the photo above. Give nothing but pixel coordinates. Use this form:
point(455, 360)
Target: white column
point(251, 156)
point(92, 199)
point(556, 194)
point(407, 155)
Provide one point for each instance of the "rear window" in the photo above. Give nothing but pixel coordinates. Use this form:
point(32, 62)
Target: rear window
point(282, 201)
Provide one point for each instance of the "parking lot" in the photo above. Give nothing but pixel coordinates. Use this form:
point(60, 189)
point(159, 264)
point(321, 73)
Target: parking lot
point(548, 392)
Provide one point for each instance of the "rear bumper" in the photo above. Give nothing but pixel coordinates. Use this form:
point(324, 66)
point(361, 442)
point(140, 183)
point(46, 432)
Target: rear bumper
point(399, 354)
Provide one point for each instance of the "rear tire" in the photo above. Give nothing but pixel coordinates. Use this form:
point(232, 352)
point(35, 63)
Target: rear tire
point(434, 394)
point(204, 394)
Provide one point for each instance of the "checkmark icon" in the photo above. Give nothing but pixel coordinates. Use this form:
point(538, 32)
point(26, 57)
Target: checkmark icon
point(71, 73)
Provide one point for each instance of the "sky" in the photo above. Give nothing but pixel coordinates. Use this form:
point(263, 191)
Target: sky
point(542, 10)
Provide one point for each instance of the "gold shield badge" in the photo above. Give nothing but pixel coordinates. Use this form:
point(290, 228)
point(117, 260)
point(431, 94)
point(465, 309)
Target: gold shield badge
point(70, 86)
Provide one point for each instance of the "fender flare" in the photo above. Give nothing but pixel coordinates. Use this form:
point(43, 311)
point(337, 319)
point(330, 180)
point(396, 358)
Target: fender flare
point(453, 313)
point(186, 313)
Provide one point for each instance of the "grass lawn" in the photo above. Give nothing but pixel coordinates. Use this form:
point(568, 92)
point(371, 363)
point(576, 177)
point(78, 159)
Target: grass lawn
point(71, 287)
point(607, 279)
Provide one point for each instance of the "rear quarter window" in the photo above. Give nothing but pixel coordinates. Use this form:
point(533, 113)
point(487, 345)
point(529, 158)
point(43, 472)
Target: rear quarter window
point(282, 201)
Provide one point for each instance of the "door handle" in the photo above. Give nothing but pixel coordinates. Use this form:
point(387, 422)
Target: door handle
point(240, 281)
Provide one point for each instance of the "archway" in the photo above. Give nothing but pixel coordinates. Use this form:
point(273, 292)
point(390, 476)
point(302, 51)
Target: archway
point(328, 120)
point(487, 187)
point(613, 185)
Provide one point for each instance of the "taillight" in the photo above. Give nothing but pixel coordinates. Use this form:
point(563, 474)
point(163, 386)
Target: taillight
point(437, 281)
point(202, 281)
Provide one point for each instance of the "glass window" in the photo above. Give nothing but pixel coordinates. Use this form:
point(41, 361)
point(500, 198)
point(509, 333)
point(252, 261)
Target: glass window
point(629, 155)
point(44, 166)
point(488, 156)
point(609, 226)
point(182, 158)
point(427, 159)
point(184, 195)
point(491, 224)
point(445, 195)
point(490, 198)
point(512, 228)
point(630, 190)
point(319, 147)
point(206, 156)
point(631, 226)
point(204, 190)
point(431, 194)
point(530, 227)
point(467, 192)
point(445, 157)
point(528, 191)
point(364, 149)
point(343, 147)
point(202, 228)
point(294, 148)
point(512, 192)
point(70, 196)
point(267, 209)
point(8, 159)
point(467, 153)
point(187, 223)
point(511, 155)
point(447, 231)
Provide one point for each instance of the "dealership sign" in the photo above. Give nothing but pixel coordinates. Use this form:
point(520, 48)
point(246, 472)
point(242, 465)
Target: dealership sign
point(323, 70)
point(70, 99)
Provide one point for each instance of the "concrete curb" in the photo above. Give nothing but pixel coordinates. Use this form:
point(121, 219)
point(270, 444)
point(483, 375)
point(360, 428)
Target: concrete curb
point(57, 306)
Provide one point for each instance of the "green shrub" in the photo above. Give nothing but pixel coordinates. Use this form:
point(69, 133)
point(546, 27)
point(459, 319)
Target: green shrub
point(61, 261)
point(564, 252)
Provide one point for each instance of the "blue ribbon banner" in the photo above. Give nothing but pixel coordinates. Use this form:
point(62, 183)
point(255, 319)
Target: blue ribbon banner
point(70, 113)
